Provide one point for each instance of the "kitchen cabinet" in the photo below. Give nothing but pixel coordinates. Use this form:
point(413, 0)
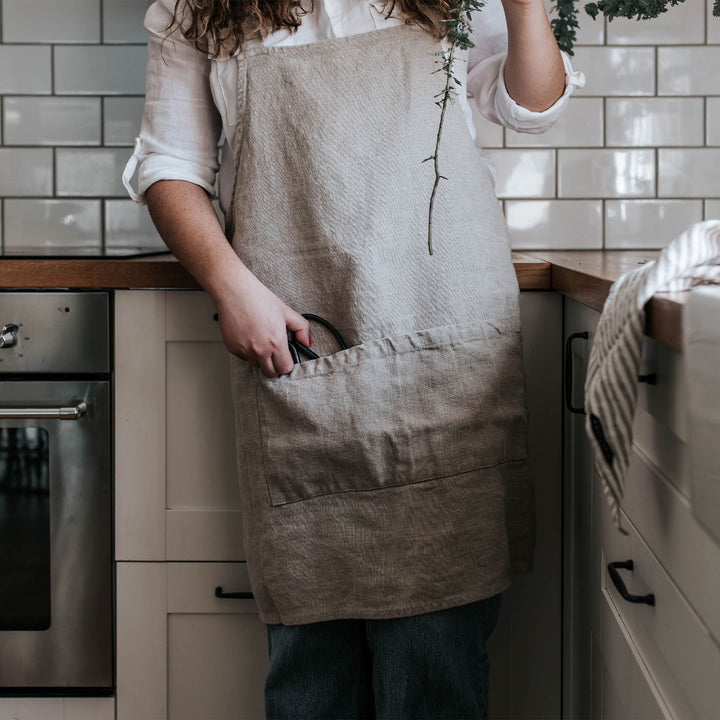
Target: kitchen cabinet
point(632, 659)
point(182, 652)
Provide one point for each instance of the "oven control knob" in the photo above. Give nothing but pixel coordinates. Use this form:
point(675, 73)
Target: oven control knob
point(8, 335)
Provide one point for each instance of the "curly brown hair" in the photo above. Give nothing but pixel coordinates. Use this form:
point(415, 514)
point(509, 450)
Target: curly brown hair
point(225, 25)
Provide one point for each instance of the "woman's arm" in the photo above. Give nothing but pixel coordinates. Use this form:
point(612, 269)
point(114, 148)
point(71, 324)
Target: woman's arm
point(487, 60)
point(177, 164)
point(253, 320)
point(534, 71)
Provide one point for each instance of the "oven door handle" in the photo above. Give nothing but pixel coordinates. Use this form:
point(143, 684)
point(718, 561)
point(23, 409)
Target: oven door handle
point(35, 413)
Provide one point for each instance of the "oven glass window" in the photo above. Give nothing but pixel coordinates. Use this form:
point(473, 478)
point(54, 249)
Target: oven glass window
point(24, 529)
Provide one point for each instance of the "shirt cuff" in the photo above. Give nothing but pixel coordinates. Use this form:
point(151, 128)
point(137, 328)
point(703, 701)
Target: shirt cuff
point(521, 119)
point(152, 167)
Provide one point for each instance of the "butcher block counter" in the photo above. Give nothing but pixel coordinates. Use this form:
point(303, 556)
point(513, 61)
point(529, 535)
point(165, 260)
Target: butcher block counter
point(584, 275)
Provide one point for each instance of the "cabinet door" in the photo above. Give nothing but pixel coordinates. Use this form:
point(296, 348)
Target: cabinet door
point(183, 653)
point(577, 506)
point(525, 649)
point(203, 519)
point(177, 496)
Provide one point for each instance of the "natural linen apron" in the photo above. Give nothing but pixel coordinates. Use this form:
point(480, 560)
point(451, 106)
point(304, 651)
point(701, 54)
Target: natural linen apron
point(388, 479)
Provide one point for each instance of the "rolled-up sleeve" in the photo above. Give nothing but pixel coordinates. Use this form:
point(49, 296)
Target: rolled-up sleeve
point(181, 126)
point(486, 76)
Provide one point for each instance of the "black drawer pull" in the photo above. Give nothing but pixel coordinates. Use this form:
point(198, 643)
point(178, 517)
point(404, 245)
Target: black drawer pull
point(569, 372)
point(613, 568)
point(233, 595)
point(650, 379)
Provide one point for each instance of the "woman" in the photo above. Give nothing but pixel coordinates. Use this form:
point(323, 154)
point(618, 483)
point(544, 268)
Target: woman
point(385, 487)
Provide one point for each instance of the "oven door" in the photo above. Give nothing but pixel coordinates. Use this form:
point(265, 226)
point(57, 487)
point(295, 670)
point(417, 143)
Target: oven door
point(56, 574)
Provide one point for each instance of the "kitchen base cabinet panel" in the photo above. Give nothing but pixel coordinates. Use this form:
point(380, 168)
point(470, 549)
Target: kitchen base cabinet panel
point(57, 708)
point(577, 519)
point(525, 648)
point(183, 653)
point(215, 666)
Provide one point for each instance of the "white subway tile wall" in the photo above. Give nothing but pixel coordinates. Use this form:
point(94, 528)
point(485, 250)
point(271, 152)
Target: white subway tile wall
point(49, 226)
point(712, 210)
point(683, 26)
point(51, 121)
point(72, 79)
point(638, 151)
point(644, 223)
point(634, 161)
point(51, 21)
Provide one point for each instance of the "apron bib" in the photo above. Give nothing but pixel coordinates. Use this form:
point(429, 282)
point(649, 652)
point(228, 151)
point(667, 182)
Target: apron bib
point(391, 478)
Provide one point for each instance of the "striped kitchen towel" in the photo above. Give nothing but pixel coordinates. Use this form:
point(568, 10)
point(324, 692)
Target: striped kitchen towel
point(611, 384)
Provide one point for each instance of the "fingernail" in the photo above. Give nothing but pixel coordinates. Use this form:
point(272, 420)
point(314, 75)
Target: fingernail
point(309, 341)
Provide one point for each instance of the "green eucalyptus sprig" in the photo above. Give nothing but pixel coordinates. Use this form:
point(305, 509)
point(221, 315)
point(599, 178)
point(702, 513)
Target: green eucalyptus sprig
point(459, 38)
point(565, 23)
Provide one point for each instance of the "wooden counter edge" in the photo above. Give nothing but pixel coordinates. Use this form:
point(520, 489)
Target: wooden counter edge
point(664, 312)
point(108, 274)
point(533, 274)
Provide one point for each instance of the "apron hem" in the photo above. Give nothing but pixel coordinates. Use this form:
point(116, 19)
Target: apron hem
point(389, 612)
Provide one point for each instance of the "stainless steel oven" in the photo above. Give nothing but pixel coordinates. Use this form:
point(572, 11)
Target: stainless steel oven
point(56, 553)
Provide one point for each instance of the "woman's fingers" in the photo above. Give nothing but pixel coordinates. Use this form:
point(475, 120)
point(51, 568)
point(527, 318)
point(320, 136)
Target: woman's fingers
point(267, 366)
point(283, 362)
point(299, 325)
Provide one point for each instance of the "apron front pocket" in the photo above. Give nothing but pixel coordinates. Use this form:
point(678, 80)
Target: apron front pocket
point(394, 411)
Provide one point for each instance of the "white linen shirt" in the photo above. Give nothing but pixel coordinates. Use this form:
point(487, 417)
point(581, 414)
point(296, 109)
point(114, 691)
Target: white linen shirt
point(190, 98)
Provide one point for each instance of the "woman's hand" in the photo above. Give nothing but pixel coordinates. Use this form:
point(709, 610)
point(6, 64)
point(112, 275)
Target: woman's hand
point(253, 320)
point(254, 324)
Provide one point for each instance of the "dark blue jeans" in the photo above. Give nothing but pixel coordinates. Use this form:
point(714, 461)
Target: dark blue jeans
point(425, 666)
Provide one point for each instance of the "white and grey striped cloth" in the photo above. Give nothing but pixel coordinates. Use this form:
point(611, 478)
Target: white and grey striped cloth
point(611, 385)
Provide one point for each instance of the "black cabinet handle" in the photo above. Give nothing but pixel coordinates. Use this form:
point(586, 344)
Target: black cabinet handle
point(233, 595)
point(650, 379)
point(569, 372)
point(613, 568)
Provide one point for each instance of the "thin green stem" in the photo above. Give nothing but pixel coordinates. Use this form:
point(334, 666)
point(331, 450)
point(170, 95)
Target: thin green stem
point(446, 93)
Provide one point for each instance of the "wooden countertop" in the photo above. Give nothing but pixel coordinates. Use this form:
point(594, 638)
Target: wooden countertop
point(585, 275)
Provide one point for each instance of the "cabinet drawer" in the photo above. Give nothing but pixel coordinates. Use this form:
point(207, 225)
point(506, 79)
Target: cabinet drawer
point(182, 653)
point(663, 448)
point(622, 684)
point(673, 642)
point(664, 519)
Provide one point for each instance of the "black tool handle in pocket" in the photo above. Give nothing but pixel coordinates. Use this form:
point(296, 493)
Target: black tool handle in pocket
point(233, 595)
point(618, 582)
point(569, 371)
